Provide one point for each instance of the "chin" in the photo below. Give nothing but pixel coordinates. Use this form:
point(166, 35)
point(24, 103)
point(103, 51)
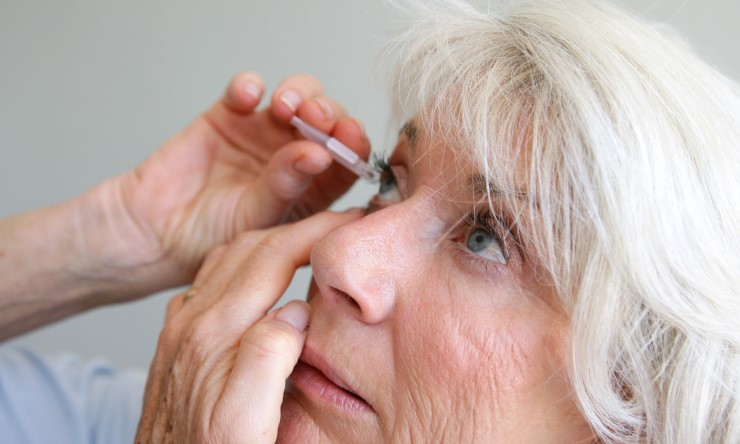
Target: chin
point(295, 424)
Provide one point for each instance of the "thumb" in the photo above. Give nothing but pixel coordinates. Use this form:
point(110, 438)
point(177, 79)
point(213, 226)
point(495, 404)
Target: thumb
point(286, 178)
point(249, 410)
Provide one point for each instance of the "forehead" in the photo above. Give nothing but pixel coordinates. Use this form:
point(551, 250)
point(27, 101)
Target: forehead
point(442, 162)
point(437, 164)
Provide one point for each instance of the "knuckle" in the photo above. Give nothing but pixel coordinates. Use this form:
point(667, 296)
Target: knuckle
point(269, 341)
point(333, 103)
point(288, 185)
point(168, 337)
point(214, 255)
point(172, 306)
point(274, 243)
point(197, 338)
point(247, 240)
point(304, 81)
point(309, 80)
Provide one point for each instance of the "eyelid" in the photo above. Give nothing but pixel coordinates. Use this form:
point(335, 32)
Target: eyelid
point(384, 165)
point(381, 165)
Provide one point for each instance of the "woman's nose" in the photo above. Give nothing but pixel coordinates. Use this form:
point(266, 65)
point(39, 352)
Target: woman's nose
point(362, 265)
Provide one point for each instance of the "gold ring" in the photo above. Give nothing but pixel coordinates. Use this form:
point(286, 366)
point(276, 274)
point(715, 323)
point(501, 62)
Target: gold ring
point(190, 294)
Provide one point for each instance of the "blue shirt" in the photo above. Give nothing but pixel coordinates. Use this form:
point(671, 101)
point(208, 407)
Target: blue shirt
point(64, 399)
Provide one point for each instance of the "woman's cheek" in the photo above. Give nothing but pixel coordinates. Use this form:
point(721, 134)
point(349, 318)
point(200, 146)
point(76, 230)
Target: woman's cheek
point(431, 371)
point(473, 362)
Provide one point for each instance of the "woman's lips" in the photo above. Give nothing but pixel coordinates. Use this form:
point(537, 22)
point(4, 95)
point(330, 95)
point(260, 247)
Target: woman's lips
point(318, 381)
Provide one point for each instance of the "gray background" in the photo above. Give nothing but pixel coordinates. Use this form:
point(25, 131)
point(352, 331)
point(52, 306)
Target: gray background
point(88, 88)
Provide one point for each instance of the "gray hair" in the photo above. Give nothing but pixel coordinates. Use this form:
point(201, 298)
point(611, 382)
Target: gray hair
point(629, 144)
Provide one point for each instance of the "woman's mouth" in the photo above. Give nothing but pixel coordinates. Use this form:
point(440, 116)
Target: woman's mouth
point(319, 382)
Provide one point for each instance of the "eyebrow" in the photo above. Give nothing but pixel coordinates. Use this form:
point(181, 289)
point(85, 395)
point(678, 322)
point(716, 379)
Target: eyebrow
point(477, 182)
point(480, 186)
point(411, 132)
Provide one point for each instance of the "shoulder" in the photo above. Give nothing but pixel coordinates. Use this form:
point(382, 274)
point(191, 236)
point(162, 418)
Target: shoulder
point(64, 398)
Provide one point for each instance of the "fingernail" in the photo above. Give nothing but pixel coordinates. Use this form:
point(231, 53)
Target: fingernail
point(291, 99)
point(295, 314)
point(328, 112)
point(362, 127)
point(311, 165)
point(253, 90)
point(355, 210)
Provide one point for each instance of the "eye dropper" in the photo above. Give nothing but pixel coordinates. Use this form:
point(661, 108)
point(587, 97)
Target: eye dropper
point(339, 151)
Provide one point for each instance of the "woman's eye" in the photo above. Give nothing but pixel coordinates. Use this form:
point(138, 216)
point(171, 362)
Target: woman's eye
point(388, 190)
point(486, 245)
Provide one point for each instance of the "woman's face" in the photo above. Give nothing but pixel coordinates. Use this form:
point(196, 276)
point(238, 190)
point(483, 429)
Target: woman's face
point(428, 323)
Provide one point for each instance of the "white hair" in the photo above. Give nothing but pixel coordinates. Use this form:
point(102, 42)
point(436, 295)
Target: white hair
point(630, 147)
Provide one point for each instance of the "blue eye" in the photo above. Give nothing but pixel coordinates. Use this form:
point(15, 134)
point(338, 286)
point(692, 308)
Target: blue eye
point(484, 243)
point(479, 240)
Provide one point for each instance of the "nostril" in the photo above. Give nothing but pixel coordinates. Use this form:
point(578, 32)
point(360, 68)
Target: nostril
point(347, 297)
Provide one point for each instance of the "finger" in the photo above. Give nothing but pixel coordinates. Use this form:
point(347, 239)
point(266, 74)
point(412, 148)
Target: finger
point(264, 276)
point(210, 264)
point(351, 133)
point(337, 179)
point(258, 283)
point(286, 178)
point(322, 113)
point(174, 306)
point(156, 384)
point(244, 93)
point(214, 277)
point(254, 390)
point(209, 284)
point(291, 92)
point(179, 315)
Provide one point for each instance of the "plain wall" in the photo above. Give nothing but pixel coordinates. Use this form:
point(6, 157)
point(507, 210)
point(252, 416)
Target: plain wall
point(88, 88)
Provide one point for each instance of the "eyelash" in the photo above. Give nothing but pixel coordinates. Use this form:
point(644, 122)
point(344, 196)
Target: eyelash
point(388, 180)
point(381, 163)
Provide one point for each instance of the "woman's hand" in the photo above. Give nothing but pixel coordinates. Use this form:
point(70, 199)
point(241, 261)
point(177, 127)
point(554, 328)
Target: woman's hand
point(234, 169)
point(221, 362)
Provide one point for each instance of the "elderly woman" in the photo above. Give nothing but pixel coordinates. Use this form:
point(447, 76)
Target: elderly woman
point(552, 256)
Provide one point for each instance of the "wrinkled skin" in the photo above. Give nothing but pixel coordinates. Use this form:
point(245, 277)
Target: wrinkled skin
point(221, 363)
point(444, 343)
point(425, 327)
point(235, 168)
